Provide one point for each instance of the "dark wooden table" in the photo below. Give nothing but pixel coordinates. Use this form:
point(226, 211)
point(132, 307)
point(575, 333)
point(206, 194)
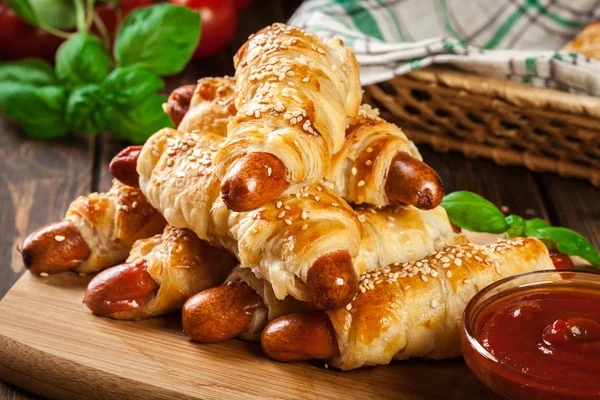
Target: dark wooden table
point(41, 178)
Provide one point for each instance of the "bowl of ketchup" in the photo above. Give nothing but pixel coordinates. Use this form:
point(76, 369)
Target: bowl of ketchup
point(536, 336)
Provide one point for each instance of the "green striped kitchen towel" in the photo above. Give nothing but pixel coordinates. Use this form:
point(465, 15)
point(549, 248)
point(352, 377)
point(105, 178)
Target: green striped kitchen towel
point(510, 39)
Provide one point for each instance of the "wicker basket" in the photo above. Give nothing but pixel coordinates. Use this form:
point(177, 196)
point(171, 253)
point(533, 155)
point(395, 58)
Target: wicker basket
point(508, 122)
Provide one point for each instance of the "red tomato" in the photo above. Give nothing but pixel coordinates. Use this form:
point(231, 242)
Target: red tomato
point(561, 261)
point(219, 20)
point(108, 13)
point(19, 40)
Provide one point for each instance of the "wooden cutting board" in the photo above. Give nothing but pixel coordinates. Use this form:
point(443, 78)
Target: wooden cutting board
point(51, 345)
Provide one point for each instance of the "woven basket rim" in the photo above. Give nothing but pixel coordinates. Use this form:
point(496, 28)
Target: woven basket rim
point(516, 93)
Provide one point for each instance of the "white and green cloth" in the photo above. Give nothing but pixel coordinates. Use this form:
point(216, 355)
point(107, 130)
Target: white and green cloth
point(510, 39)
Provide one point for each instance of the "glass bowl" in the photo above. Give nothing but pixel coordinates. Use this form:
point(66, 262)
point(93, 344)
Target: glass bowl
point(503, 380)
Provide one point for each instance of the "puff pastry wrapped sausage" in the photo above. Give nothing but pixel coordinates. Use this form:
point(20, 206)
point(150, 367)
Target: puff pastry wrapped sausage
point(239, 308)
point(294, 94)
point(98, 231)
point(405, 310)
point(392, 235)
point(377, 164)
point(160, 274)
point(303, 244)
point(212, 106)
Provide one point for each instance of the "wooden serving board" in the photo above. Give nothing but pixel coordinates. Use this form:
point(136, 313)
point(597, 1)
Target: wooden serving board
point(51, 345)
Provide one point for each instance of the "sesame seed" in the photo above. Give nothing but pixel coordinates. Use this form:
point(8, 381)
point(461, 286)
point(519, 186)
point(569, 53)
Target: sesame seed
point(354, 171)
point(335, 204)
point(134, 205)
point(434, 303)
point(44, 274)
point(434, 273)
point(424, 278)
point(269, 171)
point(362, 218)
point(349, 306)
point(467, 281)
point(317, 198)
point(281, 215)
point(305, 79)
point(368, 162)
point(319, 189)
point(361, 183)
point(279, 204)
point(304, 227)
point(445, 259)
point(458, 261)
point(59, 238)
point(304, 214)
point(287, 221)
point(369, 149)
point(446, 265)
point(449, 274)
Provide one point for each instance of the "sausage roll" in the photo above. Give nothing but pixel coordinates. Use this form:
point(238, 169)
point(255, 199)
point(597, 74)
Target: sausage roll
point(161, 273)
point(294, 94)
point(379, 165)
point(247, 303)
point(212, 106)
point(98, 231)
point(303, 244)
point(404, 310)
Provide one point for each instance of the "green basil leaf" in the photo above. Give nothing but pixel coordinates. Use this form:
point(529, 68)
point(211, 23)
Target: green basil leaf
point(82, 60)
point(85, 110)
point(568, 242)
point(138, 123)
point(516, 226)
point(24, 10)
point(58, 14)
point(130, 85)
point(31, 71)
point(39, 111)
point(532, 225)
point(474, 213)
point(161, 38)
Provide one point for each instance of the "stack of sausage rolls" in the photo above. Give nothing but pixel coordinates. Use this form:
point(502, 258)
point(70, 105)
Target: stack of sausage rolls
point(281, 210)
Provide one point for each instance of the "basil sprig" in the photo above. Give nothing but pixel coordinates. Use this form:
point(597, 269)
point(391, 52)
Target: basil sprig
point(474, 213)
point(89, 90)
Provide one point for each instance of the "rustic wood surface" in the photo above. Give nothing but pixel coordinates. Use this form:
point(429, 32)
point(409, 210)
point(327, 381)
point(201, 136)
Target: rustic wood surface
point(41, 178)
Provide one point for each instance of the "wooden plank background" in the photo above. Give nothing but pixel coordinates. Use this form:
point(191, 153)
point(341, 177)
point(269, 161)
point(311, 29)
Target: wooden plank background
point(40, 178)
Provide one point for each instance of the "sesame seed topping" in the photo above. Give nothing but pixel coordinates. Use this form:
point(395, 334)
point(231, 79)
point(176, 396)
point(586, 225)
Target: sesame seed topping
point(434, 303)
point(286, 207)
point(287, 221)
point(354, 171)
point(317, 198)
point(304, 227)
point(269, 171)
point(281, 215)
point(449, 274)
point(304, 214)
point(369, 149)
point(361, 183)
point(44, 274)
point(279, 204)
point(59, 238)
point(458, 262)
point(368, 162)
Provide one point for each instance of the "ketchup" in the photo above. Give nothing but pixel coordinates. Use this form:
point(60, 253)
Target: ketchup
point(551, 333)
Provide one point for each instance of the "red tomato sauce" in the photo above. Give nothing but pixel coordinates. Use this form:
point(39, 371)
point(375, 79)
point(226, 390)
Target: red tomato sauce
point(550, 333)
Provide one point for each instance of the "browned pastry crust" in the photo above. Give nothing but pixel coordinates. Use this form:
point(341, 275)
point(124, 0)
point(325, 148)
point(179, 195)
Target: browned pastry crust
point(587, 42)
